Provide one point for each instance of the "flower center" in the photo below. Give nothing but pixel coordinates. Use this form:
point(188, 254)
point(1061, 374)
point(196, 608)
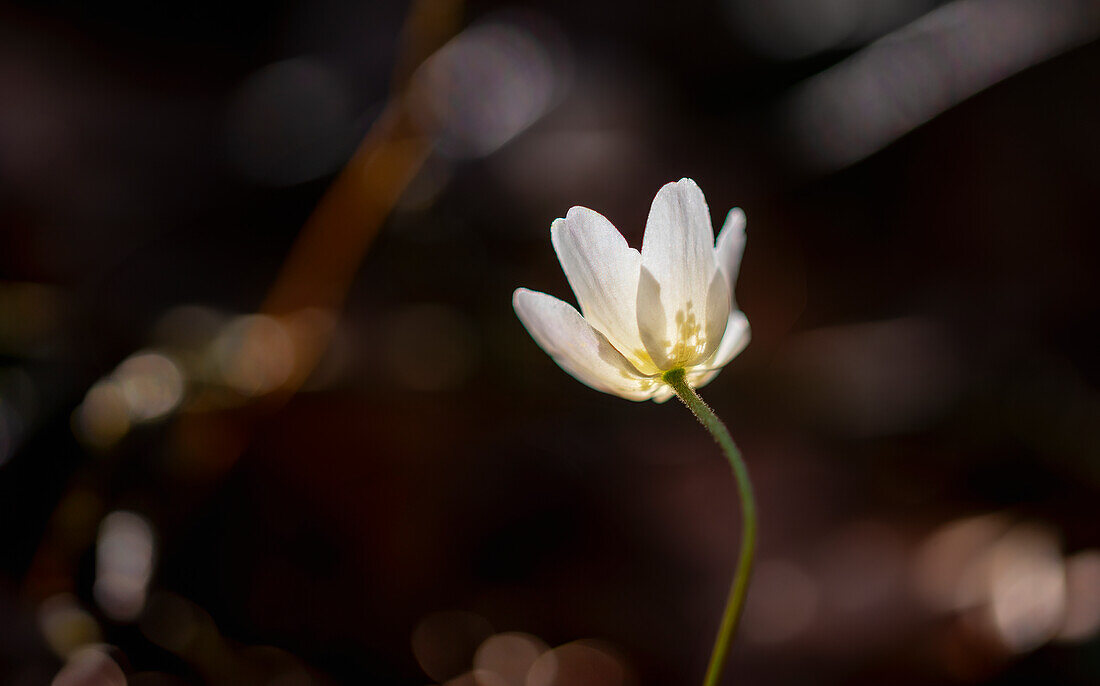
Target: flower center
point(691, 340)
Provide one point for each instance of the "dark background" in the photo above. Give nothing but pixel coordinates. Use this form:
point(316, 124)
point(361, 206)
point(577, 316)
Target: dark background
point(918, 407)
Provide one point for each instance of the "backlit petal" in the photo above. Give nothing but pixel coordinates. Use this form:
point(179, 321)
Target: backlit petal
point(702, 378)
point(678, 251)
point(734, 340)
point(653, 324)
point(678, 247)
point(578, 348)
point(663, 394)
point(717, 316)
point(603, 272)
point(731, 245)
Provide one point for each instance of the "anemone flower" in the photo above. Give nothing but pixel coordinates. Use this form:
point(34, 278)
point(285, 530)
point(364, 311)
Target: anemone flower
point(642, 314)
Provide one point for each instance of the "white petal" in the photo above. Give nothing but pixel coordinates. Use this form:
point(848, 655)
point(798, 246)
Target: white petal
point(603, 272)
point(731, 244)
point(700, 379)
point(663, 394)
point(734, 340)
point(577, 347)
point(678, 246)
point(678, 252)
point(653, 324)
point(717, 317)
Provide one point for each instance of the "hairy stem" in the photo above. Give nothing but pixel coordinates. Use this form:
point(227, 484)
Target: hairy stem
point(676, 378)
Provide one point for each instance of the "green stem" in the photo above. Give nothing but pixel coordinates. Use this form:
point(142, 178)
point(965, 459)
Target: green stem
point(676, 378)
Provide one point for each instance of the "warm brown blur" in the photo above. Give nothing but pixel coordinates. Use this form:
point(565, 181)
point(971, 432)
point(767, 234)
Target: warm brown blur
point(266, 415)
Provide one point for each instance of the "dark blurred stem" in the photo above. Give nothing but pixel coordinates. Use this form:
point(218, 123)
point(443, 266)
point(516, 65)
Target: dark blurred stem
point(736, 601)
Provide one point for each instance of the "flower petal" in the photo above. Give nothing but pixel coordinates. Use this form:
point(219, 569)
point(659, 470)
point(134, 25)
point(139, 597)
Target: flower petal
point(653, 324)
point(678, 246)
point(717, 316)
point(578, 348)
point(603, 273)
point(663, 394)
point(734, 340)
point(678, 251)
point(731, 245)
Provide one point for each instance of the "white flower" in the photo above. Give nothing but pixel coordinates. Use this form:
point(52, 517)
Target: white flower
point(669, 306)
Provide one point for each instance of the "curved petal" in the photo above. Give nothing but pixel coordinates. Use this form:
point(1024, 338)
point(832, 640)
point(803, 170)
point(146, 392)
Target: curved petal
point(603, 272)
point(653, 324)
point(663, 394)
point(734, 340)
point(702, 378)
point(717, 317)
point(678, 251)
point(577, 347)
point(731, 245)
point(678, 246)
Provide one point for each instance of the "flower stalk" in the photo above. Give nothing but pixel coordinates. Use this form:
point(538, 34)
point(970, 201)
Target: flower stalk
point(676, 378)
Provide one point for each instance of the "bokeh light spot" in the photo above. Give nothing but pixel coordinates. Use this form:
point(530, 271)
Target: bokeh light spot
point(580, 663)
point(124, 564)
point(1027, 587)
point(505, 659)
point(444, 643)
point(952, 563)
point(792, 29)
point(103, 417)
point(151, 383)
point(1082, 620)
point(66, 625)
point(484, 87)
point(254, 354)
point(90, 666)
